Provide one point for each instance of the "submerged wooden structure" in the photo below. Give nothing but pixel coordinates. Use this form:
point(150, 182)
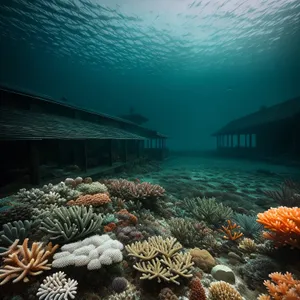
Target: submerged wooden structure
point(271, 132)
point(39, 133)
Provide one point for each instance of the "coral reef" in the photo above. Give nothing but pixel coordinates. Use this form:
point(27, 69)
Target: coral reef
point(173, 246)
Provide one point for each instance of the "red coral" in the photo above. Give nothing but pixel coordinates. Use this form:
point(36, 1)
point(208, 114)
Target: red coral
point(94, 200)
point(196, 290)
point(110, 227)
point(126, 218)
point(230, 231)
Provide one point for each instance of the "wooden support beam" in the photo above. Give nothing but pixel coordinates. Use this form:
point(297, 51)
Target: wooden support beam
point(124, 150)
point(110, 152)
point(34, 163)
point(80, 154)
point(138, 148)
point(238, 140)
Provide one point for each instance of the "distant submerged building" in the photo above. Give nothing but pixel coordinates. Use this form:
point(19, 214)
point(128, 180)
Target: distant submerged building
point(135, 117)
point(271, 132)
point(42, 140)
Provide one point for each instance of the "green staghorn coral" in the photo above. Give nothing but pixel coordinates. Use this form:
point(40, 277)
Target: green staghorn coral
point(17, 230)
point(208, 209)
point(185, 231)
point(68, 224)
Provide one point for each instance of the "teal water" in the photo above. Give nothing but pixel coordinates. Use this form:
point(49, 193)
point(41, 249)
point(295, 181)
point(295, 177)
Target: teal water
point(189, 66)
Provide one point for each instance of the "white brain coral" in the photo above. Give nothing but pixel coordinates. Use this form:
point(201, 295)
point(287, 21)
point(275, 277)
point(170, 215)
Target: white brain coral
point(92, 252)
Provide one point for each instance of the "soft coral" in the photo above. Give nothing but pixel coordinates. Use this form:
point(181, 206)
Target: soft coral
point(283, 287)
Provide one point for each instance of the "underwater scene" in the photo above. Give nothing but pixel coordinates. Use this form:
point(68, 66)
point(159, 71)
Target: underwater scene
point(150, 150)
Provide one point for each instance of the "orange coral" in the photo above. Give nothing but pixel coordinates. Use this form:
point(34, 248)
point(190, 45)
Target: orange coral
point(196, 290)
point(20, 261)
point(230, 231)
point(284, 224)
point(283, 287)
point(94, 200)
point(126, 218)
point(110, 227)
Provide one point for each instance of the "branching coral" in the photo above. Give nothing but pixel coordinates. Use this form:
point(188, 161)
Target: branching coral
point(99, 199)
point(231, 232)
point(20, 262)
point(208, 209)
point(47, 195)
point(91, 188)
point(130, 190)
point(126, 218)
point(283, 287)
point(222, 290)
point(283, 224)
point(57, 286)
point(66, 224)
point(187, 232)
point(161, 259)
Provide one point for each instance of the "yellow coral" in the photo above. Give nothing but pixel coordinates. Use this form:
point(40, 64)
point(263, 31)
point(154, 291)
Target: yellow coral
point(284, 224)
point(222, 290)
point(247, 245)
point(160, 259)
